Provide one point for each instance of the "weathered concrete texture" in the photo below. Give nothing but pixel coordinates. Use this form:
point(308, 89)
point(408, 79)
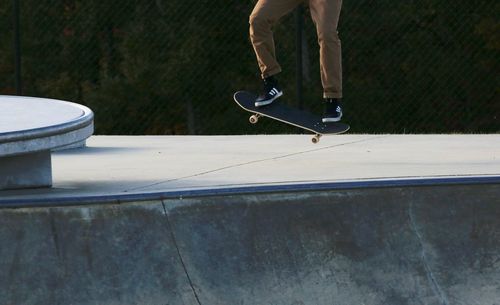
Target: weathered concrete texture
point(112, 255)
point(391, 246)
point(26, 171)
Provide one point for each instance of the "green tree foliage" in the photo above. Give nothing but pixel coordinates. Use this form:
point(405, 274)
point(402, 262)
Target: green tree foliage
point(171, 66)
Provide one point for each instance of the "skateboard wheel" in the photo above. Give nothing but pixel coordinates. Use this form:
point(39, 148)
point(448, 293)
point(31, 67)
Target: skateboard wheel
point(254, 119)
point(315, 139)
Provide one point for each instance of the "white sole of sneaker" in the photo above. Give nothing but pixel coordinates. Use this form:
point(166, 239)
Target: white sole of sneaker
point(331, 120)
point(264, 103)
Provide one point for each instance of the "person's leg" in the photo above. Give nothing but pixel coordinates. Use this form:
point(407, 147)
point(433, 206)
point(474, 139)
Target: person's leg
point(265, 14)
point(325, 15)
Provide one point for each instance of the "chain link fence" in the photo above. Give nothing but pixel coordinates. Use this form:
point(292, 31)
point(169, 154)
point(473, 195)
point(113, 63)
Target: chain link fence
point(172, 66)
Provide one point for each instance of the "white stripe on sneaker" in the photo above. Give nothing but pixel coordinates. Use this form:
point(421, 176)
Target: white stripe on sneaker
point(269, 101)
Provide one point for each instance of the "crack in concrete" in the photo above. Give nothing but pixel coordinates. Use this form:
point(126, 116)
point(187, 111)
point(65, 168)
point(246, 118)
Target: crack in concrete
point(430, 275)
point(174, 240)
point(253, 162)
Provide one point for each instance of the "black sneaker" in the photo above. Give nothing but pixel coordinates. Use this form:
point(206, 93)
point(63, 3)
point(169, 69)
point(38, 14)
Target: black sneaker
point(333, 110)
point(271, 92)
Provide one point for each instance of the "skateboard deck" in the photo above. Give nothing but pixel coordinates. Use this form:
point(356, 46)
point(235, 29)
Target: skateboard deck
point(288, 115)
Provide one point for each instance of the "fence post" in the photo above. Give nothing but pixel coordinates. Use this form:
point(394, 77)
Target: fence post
point(299, 13)
point(17, 48)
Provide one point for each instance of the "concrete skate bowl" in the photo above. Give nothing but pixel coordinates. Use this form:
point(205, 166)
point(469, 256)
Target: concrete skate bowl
point(397, 242)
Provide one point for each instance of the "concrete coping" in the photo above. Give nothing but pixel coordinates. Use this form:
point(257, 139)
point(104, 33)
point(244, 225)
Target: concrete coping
point(24, 121)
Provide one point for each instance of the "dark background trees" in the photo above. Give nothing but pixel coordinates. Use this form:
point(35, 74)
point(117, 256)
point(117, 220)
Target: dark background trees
point(171, 66)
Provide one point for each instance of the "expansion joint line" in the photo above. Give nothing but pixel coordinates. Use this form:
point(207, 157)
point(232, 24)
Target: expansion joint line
point(253, 162)
point(174, 240)
point(423, 255)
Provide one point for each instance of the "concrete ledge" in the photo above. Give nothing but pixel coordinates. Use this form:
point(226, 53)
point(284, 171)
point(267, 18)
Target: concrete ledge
point(30, 128)
point(34, 124)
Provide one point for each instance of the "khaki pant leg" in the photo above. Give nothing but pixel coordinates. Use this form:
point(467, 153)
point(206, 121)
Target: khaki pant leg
point(265, 14)
point(325, 14)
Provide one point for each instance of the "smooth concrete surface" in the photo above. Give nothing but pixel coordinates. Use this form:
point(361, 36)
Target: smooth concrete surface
point(26, 113)
point(432, 245)
point(113, 166)
point(30, 126)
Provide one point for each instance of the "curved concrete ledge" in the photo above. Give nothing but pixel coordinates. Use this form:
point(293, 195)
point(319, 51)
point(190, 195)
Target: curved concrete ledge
point(31, 124)
point(30, 128)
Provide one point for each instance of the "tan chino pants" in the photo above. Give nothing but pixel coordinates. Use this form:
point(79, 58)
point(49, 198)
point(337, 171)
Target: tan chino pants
point(325, 15)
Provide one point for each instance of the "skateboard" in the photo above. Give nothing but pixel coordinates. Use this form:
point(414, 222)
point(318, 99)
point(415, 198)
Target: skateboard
point(289, 115)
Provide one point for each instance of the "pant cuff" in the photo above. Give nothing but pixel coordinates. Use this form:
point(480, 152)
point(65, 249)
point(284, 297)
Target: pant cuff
point(332, 95)
point(271, 73)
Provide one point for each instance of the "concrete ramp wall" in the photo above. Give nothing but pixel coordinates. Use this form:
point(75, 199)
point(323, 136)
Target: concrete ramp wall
point(392, 246)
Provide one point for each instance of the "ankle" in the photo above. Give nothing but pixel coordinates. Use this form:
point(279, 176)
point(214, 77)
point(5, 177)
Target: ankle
point(332, 100)
point(271, 80)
